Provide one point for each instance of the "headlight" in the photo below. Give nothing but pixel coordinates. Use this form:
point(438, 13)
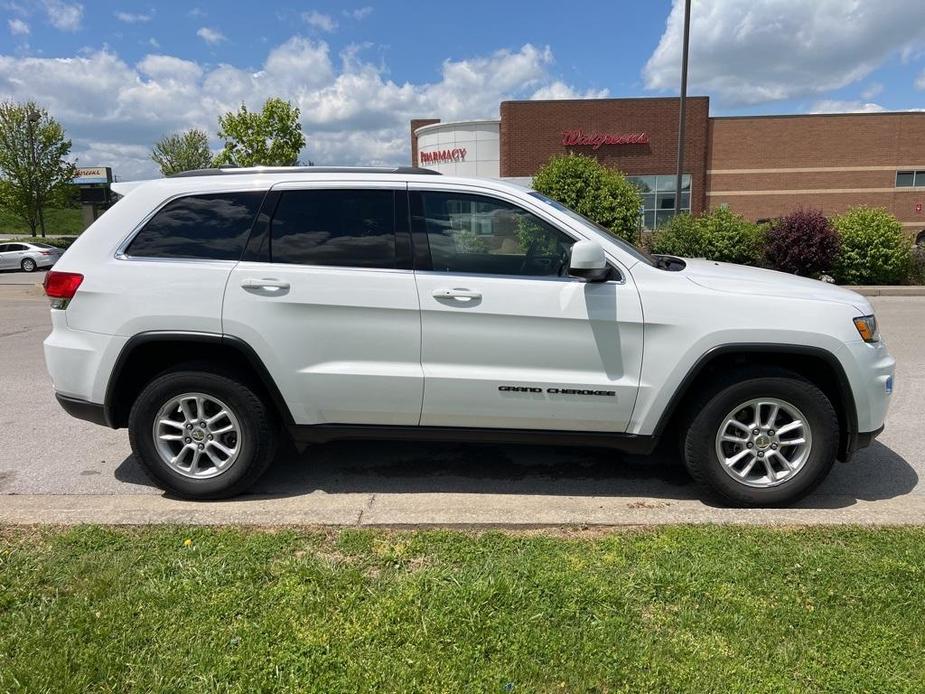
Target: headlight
point(867, 328)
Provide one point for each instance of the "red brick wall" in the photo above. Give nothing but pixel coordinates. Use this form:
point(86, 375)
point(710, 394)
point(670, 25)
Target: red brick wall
point(531, 132)
point(862, 153)
point(415, 124)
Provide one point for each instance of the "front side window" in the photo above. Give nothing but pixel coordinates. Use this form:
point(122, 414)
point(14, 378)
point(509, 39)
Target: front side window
point(476, 234)
point(212, 226)
point(343, 228)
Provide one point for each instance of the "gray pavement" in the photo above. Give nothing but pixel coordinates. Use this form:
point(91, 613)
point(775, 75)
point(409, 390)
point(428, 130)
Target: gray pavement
point(57, 469)
point(19, 278)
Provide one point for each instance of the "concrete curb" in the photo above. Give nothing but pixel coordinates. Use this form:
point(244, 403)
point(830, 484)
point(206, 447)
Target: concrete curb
point(458, 510)
point(889, 290)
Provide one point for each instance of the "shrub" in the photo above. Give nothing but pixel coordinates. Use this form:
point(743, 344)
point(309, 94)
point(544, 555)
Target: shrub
point(718, 235)
point(916, 265)
point(679, 236)
point(874, 249)
point(803, 243)
point(602, 195)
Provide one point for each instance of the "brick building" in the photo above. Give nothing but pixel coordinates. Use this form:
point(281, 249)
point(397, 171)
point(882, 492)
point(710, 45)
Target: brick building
point(758, 166)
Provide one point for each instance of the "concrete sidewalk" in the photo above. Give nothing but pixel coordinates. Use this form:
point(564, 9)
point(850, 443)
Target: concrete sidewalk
point(471, 510)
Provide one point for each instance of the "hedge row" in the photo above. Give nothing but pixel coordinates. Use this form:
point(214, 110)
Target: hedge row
point(862, 246)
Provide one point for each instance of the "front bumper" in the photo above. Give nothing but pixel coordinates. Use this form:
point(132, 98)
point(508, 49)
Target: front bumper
point(870, 370)
point(858, 441)
point(865, 439)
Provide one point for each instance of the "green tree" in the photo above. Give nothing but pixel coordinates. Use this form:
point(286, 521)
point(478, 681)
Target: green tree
point(874, 249)
point(184, 151)
point(33, 169)
point(602, 195)
point(271, 137)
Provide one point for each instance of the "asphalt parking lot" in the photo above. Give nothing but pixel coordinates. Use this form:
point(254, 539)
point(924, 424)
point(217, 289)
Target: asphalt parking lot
point(57, 469)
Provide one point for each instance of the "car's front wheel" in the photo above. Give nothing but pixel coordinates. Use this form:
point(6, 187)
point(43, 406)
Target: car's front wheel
point(762, 440)
point(202, 435)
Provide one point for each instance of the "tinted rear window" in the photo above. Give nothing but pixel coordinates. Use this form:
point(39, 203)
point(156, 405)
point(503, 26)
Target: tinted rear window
point(213, 226)
point(344, 228)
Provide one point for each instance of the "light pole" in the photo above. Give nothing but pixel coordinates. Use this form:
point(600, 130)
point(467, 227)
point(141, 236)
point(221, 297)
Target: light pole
point(33, 118)
point(683, 107)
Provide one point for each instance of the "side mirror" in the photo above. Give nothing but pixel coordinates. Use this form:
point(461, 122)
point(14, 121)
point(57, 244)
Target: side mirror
point(588, 262)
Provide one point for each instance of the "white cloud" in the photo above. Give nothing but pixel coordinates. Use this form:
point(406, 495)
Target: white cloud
point(211, 36)
point(836, 106)
point(62, 15)
point(359, 13)
point(872, 91)
point(18, 27)
point(134, 18)
point(319, 20)
point(920, 81)
point(561, 90)
point(746, 52)
point(352, 113)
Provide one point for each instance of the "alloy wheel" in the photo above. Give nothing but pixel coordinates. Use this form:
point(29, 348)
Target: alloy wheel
point(763, 442)
point(197, 435)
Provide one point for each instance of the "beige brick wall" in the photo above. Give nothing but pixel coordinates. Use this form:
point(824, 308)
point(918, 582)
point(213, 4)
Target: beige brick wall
point(853, 159)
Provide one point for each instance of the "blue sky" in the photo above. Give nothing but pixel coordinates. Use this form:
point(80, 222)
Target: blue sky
point(412, 38)
point(121, 73)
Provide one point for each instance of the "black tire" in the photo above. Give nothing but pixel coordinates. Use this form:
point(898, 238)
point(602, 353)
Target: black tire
point(28, 265)
point(708, 414)
point(257, 423)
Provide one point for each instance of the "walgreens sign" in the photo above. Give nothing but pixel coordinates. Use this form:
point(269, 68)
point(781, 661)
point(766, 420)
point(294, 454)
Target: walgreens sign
point(572, 138)
point(443, 156)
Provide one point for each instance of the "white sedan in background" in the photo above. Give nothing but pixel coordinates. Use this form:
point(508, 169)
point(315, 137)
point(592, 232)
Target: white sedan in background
point(28, 257)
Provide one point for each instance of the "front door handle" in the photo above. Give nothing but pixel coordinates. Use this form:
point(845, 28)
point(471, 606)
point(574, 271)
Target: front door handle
point(265, 284)
point(457, 294)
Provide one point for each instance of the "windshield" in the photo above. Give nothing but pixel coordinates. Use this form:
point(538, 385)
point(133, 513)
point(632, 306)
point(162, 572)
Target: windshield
point(41, 245)
point(597, 228)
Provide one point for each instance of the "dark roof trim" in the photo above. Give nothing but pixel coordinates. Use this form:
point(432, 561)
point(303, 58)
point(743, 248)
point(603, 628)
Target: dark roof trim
point(877, 114)
point(612, 98)
point(232, 171)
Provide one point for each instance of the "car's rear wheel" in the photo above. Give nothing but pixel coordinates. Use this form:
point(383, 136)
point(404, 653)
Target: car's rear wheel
point(202, 435)
point(28, 265)
point(763, 440)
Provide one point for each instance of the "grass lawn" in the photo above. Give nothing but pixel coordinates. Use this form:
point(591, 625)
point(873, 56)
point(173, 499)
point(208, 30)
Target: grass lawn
point(717, 609)
point(58, 221)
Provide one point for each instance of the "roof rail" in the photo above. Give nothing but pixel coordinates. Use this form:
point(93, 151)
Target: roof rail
point(232, 170)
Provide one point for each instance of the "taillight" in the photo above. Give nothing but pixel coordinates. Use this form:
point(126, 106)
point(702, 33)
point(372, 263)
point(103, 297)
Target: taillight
point(44, 252)
point(60, 287)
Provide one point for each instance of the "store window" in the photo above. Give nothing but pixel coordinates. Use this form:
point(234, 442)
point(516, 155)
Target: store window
point(658, 197)
point(908, 179)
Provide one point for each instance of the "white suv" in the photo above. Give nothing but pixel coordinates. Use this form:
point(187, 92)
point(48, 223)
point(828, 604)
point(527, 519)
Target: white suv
point(212, 313)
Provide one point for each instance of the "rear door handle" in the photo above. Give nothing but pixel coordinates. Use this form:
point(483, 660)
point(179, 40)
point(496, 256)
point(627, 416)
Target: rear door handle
point(265, 284)
point(456, 294)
